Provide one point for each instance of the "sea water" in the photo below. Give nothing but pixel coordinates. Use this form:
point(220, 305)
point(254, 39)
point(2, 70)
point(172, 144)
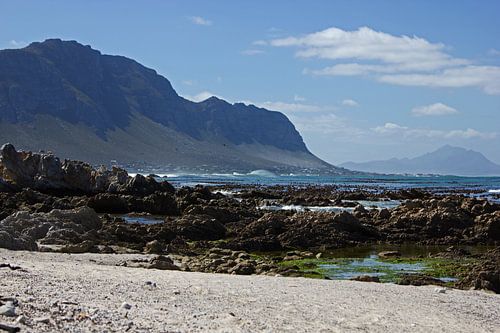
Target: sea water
point(488, 187)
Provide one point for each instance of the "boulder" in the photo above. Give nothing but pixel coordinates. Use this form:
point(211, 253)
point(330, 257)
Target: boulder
point(154, 247)
point(163, 263)
point(22, 229)
point(487, 226)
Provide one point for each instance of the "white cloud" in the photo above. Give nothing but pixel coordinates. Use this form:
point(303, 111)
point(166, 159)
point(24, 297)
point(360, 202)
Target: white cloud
point(407, 132)
point(188, 82)
point(200, 20)
point(494, 52)
point(202, 96)
point(17, 44)
point(251, 52)
point(298, 98)
point(389, 128)
point(485, 77)
point(368, 44)
point(436, 109)
point(259, 42)
point(350, 102)
point(290, 107)
point(400, 60)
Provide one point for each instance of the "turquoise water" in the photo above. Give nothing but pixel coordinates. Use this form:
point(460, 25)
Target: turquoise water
point(349, 268)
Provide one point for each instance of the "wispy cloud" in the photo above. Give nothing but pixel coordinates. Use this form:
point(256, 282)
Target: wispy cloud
point(17, 44)
point(401, 60)
point(436, 109)
point(408, 132)
point(298, 98)
point(350, 102)
point(200, 20)
point(289, 108)
point(259, 42)
point(494, 52)
point(485, 77)
point(252, 52)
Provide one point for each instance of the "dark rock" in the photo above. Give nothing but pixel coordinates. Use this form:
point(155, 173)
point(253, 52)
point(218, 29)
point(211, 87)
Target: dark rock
point(22, 229)
point(109, 203)
point(366, 278)
point(163, 263)
point(242, 268)
point(419, 280)
point(46, 173)
point(197, 227)
point(485, 274)
point(487, 226)
point(154, 247)
point(83, 247)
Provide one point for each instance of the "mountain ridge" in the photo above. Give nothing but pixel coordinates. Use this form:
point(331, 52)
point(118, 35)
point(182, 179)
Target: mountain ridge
point(68, 84)
point(449, 160)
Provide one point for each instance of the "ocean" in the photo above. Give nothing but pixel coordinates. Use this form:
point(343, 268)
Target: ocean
point(488, 187)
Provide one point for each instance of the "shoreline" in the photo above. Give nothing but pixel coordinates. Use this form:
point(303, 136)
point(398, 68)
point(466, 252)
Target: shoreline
point(49, 290)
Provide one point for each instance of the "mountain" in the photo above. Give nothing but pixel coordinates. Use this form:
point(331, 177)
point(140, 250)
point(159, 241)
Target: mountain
point(446, 160)
point(71, 99)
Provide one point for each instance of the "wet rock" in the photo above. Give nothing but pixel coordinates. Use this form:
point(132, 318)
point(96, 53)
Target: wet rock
point(366, 278)
point(418, 280)
point(485, 274)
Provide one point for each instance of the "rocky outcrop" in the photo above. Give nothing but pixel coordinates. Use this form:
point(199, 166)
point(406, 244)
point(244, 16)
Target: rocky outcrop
point(21, 230)
point(303, 231)
point(485, 274)
point(448, 220)
point(46, 173)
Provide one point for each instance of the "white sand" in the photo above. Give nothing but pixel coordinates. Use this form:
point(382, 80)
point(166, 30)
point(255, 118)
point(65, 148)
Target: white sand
point(80, 293)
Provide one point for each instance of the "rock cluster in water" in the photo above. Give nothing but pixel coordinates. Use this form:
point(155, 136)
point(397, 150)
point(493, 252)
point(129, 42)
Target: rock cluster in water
point(69, 206)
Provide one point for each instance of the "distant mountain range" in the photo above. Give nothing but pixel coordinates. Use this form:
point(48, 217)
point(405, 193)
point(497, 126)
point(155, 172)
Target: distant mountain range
point(71, 99)
point(447, 160)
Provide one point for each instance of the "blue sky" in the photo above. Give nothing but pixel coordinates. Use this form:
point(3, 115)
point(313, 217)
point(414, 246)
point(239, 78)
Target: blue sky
point(361, 80)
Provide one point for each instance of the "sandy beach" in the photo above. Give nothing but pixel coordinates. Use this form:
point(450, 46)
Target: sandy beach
point(89, 293)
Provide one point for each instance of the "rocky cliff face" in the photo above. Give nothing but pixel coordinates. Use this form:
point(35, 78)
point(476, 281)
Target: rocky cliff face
point(75, 85)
